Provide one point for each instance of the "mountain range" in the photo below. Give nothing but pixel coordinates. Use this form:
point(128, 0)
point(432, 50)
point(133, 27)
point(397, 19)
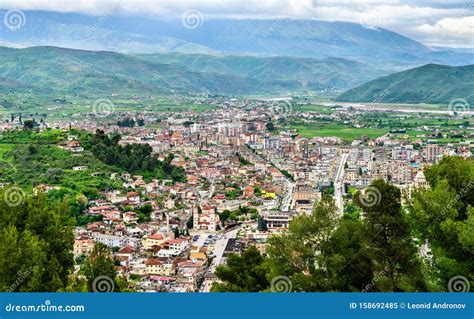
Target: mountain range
point(63, 71)
point(60, 54)
point(51, 73)
point(272, 37)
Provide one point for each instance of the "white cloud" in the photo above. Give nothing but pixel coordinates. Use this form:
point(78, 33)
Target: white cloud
point(437, 21)
point(460, 27)
point(458, 30)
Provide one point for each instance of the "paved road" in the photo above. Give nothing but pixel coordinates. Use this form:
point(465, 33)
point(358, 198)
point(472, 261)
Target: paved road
point(339, 183)
point(219, 247)
point(287, 200)
point(288, 197)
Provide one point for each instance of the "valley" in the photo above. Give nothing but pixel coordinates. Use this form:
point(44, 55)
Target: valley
point(306, 146)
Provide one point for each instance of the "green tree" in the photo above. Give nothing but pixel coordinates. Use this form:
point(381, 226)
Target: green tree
point(190, 222)
point(135, 158)
point(224, 215)
point(297, 252)
point(233, 216)
point(270, 126)
point(242, 273)
point(29, 124)
point(261, 224)
point(389, 244)
point(443, 217)
point(288, 175)
point(100, 264)
point(345, 265)
point(36, 242)
point(144, 213)
point(176, 232)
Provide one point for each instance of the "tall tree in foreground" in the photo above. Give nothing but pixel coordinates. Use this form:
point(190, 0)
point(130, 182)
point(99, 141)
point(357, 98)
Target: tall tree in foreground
point(443, 216)
point(36, 242)
point(100, 271)
point(322, 252)
point(347, 265)
point(242, 273)
point(390, 245)
point(297, 253)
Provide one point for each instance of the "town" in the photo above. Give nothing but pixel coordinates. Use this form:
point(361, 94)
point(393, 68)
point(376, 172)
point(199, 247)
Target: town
point(247, 175)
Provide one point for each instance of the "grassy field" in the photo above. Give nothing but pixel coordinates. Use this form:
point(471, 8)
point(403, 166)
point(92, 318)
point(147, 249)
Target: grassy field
point(417, 135)
point(156, 126)
point(398, 106)
point(74, 105)
point(346, 133)
point(313, 108)
point(5, 148)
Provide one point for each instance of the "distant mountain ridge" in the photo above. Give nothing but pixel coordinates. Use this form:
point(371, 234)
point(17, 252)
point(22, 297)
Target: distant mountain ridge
point(310, 74)
point(52, 72)
point(57, 71)
point(431, 83)
point(277, 37)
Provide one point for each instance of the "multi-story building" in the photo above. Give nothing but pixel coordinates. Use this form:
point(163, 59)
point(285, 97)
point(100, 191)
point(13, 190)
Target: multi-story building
point(433, 152)
point(83, 247)
point(274, 220)
point(157, 267)
point(110, 240)
point(206, 220)
point(153, 240)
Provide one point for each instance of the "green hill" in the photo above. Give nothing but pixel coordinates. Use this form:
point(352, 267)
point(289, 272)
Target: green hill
point(431, 83)
point(308, 74)
point(57, 72)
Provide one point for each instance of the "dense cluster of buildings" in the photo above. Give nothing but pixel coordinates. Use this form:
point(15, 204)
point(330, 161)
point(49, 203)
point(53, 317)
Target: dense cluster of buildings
point(244, 183)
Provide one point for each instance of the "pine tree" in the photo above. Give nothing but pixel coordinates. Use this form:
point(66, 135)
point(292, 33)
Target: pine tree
point(98, 265)
point(389, 242)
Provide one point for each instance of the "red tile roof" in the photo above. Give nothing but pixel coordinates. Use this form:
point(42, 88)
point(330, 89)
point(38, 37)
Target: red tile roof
point(156, 236)
point(152, 262)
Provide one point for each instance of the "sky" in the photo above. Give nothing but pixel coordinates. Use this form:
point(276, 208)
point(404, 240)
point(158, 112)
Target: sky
point(435, 23)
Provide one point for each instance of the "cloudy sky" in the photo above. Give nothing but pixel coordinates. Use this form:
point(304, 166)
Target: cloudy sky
point(443, 23)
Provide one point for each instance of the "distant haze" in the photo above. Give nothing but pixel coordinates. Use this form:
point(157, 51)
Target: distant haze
point(440, 23)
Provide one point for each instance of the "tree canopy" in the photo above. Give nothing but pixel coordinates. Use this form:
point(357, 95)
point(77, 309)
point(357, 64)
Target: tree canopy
point(134, 158)
point(443, 217)
point(35, 243)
